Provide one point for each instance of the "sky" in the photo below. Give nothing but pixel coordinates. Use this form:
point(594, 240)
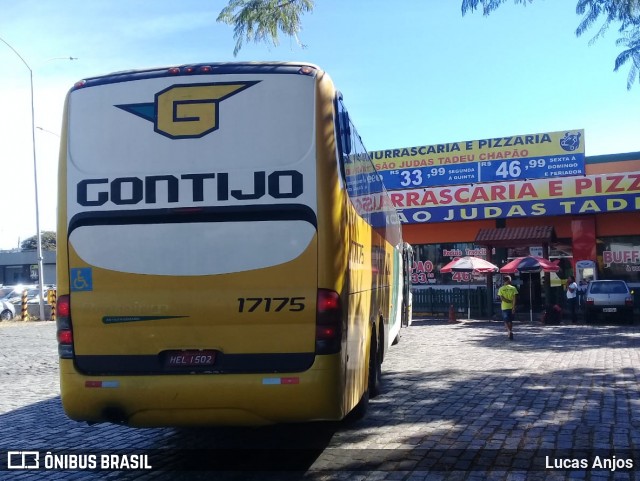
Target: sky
point(412, 72)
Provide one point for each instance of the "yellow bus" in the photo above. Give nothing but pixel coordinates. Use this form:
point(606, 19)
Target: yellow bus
point(227, 253)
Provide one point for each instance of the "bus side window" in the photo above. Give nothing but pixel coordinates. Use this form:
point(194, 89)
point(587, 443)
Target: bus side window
point(343, 130)
point(345, 133)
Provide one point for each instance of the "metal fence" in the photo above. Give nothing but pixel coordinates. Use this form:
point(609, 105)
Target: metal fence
point(436, 302)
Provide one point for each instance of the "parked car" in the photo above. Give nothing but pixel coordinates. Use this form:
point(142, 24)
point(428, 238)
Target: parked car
point(608, 299)
point(7, 311)
point(4, 290)
point(15, 295)
point(34, 297)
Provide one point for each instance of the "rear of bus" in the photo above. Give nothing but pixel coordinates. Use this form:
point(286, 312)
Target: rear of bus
point(188, 250)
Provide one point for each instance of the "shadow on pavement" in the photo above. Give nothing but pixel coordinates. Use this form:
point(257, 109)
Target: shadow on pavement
point(506, 419)
point(560, 337)
point(274, 452)
point(443, 419)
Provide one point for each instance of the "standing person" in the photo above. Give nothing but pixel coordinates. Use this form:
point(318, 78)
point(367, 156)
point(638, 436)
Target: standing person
point(582, 290)
point(508, 295)
point(572, 299)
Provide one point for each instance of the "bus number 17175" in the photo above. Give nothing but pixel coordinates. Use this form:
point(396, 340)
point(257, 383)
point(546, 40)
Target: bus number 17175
point(270, 304)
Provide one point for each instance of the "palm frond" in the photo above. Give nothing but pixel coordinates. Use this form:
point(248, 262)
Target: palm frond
point(624, 12)
point(264, 20)
point(631, 40)
point(622, 58)
point(633, 73)
point(591, 9)
point(487, 6)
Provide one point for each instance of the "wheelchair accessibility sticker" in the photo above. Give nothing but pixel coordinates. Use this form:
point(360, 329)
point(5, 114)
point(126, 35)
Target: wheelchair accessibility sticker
point(81, 279)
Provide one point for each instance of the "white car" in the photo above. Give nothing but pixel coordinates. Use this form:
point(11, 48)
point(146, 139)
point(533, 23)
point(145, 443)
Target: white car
point(11, 299)
point(33, 295)
point(15, 295)
point(7, 311)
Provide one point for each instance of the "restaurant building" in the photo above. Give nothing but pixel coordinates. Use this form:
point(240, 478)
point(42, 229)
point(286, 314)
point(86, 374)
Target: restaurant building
point(524, 195)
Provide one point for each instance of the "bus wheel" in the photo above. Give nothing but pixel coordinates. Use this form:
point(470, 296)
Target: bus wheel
point(375, 367)
point(360, 409)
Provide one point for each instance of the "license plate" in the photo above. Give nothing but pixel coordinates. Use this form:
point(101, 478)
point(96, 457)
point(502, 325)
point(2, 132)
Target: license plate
point(609, 309)
point(192, 358)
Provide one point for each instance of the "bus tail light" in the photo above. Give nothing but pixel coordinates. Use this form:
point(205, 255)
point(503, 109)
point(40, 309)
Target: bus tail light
point(307, 70)
point(328, 322)
point(63, 324)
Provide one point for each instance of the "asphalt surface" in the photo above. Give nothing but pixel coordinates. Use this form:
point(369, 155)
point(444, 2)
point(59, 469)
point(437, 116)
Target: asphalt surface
point(460, 402)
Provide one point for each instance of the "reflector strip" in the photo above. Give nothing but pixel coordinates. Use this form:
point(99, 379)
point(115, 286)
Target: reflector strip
point(102, 384)
point(280, 380)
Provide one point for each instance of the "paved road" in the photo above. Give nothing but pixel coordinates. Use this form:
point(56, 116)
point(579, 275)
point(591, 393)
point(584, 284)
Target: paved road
point(460, 402)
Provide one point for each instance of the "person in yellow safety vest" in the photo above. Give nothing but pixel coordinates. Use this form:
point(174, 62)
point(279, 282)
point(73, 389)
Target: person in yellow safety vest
point(508, 294)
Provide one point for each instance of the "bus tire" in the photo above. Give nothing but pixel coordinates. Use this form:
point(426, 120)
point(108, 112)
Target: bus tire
point(360, 410)
point(375, 366)
point(373, 381)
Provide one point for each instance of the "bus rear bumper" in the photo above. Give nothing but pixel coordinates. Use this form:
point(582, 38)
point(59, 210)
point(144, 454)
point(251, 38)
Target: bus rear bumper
point(205, 399)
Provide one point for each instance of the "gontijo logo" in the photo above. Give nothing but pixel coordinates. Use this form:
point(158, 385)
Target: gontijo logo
point(187, 111)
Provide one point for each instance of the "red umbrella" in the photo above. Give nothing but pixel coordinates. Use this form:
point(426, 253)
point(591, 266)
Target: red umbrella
point(530, 265)
point(469, 264)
